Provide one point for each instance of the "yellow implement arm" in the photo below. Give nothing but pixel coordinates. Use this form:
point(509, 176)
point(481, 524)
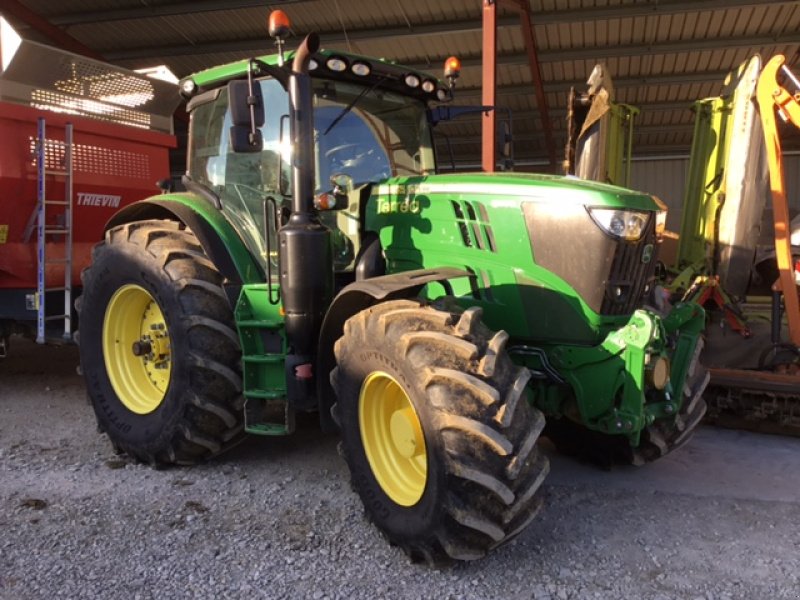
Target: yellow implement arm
point(772, 98)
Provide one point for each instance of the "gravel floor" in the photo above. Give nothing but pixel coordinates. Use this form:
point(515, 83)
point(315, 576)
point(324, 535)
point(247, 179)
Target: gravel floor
point(275, 518)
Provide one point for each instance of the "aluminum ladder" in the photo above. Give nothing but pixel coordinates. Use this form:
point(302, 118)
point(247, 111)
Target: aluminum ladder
point(62, 230)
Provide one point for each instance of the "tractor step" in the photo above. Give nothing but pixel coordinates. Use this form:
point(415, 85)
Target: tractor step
point(267, 413)
point(264, 359)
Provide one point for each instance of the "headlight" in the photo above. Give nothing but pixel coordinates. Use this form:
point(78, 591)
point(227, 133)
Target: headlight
point(622, 224)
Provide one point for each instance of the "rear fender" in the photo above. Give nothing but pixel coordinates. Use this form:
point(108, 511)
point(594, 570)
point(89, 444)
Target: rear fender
point(219, 239)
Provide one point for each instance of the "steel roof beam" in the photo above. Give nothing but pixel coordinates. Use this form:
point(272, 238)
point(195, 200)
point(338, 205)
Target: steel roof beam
point(638, 130)
point(653, 8)
point(36, 21)
point(663, 7)
point(622, 82)
point(621, 51)
point(532, 52)
point(562, 111)
point(158, 10)
point(329, 38)
point(333, 38)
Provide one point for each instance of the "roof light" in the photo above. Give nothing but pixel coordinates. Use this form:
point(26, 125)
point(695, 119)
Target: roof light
point(188, 87)
point(428, 86)
point(412, 80)
point(361, 69)
point(441, 95)
point(313, 65)
point(452, 69)
point(278, 24)
point(336, 64)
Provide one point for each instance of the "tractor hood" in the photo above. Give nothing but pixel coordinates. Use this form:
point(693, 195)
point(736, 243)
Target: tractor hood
point(537, 187)
point(556, 251)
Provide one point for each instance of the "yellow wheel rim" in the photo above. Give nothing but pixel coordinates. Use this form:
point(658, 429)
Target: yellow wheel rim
point(136, 349)
point(393, 439)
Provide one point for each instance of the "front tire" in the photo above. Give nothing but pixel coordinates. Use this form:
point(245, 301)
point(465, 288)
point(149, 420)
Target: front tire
point(436, 430)
point(158, 346)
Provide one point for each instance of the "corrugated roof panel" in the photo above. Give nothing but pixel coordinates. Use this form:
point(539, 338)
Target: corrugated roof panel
point(570, 42)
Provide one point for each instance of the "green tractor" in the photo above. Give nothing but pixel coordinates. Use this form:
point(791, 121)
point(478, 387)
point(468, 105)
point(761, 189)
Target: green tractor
point(318, 262)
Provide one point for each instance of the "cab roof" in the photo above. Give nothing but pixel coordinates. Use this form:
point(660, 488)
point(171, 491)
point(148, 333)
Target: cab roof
point(388, 74)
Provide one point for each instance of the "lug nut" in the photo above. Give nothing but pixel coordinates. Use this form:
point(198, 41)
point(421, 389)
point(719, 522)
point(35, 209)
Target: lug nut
point(142, 348)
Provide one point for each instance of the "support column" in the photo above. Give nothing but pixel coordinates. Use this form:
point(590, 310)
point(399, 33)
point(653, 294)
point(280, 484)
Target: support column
point(489, 86)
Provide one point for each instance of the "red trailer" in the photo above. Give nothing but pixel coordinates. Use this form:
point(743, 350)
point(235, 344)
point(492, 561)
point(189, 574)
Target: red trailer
point(80, 139)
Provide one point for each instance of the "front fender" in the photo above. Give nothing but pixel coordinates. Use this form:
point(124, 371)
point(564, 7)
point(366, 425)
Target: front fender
point(356, 297)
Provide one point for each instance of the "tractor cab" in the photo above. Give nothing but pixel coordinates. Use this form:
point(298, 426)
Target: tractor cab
point(370, 124)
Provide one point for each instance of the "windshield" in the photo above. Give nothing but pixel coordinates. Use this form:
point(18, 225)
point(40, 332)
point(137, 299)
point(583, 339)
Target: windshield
point(366, 134)
point(382, 135)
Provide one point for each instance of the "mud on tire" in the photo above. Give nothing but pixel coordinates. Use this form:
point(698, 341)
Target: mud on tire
point(483, 464)
point(200, 414)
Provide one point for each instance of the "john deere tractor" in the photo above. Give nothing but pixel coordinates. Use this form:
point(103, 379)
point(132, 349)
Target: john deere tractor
point(318, 262)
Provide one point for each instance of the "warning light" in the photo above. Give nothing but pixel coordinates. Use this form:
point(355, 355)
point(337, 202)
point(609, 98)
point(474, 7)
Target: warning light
point(452, 69)
point(279, 24)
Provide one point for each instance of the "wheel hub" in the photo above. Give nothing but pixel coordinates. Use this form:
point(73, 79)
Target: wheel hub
point(393, 439)
point(406, 433)
point(137, 349)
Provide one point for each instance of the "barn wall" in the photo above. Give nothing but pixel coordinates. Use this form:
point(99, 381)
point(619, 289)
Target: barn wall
point(666, 178)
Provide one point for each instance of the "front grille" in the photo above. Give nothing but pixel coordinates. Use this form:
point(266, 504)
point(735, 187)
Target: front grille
point(632, 269)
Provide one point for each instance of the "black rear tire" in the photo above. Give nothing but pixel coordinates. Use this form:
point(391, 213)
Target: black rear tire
point(483, 465)
point(200, 414)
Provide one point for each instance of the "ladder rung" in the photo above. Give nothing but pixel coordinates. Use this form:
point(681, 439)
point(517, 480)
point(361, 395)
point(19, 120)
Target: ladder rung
point(53, 172)
point(56, 231)
point(56, 261)
point(56, 317)
point(265, 394)
point(55, 289)
point(59, 202)
point(264, 358)
point(258, 323)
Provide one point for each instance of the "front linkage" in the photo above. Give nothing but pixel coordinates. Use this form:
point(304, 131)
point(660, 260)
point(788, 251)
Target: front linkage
point(643, 411)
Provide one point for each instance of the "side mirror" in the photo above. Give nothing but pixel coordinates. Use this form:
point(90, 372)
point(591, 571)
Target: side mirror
point(247, 115)
point(338, 198)
point(342, 184)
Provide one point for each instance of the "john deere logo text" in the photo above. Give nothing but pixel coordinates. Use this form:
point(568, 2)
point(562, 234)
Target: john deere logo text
point(403, 205)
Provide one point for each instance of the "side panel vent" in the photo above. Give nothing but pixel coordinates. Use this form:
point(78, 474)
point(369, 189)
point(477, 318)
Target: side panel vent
point(473, 223)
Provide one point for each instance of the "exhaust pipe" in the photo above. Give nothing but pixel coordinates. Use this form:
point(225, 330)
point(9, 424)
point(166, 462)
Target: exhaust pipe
point(306, 249)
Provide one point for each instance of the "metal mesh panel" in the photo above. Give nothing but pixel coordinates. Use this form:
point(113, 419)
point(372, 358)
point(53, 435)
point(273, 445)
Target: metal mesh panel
point(96, 160)
point(50, 79)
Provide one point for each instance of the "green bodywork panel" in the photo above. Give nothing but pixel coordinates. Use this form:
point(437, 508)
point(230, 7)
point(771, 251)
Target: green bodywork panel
point(419, 227)
point(475, 222)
